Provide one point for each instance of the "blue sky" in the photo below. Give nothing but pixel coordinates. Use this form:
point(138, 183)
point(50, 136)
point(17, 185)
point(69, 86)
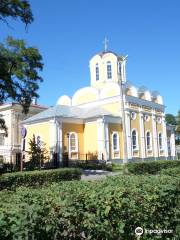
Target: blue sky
point(69, 32)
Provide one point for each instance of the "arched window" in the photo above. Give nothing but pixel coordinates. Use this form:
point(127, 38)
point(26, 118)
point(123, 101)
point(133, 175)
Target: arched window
point(97, 72)
point(109, 70)
point(148, 141)
point(160, 141)
point(2, 138)
point(115, 141)
point(73, 142)
point(134, 140)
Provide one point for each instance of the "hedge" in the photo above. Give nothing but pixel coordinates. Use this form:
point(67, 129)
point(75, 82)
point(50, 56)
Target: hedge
point(151, 167)
point(39, 177)
point(94, 166)
point(171, 171)
point(109, 209)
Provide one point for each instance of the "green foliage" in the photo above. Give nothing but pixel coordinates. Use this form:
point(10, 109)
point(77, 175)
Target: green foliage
point(170, 119)
point(94, 166)
point(37, 154)
point(171, 171)
point(151, 167)
point(38, 178)
point(117, 167)
point(16, 9)
point(109, 209)
point(178, 122)
point(19, 73)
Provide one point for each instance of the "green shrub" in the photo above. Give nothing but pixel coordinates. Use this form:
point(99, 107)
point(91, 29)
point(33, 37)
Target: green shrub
point(109, 209)
point(171, 171)
point(36, 178)
point(151, 167)
point(117, 167)
point(94, 166)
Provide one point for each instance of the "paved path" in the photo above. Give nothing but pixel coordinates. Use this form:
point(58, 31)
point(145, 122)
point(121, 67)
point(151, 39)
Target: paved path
point(96, 174)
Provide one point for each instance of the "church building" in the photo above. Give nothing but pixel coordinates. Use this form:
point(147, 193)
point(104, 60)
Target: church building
point(109, 120)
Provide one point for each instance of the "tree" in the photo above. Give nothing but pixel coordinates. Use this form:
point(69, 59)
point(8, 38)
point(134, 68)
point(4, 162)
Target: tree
point(37, 153)
point(178, 123)
point(16, 9)
point(19, 64)
point(170, 119)
point(19, 72)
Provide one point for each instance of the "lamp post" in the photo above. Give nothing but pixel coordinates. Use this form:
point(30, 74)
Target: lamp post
point(121, 80)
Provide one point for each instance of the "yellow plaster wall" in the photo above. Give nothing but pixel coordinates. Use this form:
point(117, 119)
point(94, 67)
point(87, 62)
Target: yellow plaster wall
point(77, 128)
point(112, 107)
point(111, 92)
point(114, 127)
point(135, 124)
point(39, 129)
point(90, 137)
point(85, 98)
point(148, 126)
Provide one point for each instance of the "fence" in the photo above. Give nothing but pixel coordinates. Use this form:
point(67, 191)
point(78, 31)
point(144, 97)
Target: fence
point(67, 161)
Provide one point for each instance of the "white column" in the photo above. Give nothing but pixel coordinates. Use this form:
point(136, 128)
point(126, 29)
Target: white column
point(128, 133)
point(59, 140)
point(107, 157)
point(155, 140)
point(142, 140)
point(164, 137)
point(101, 137)
point(172, 145)
point(53, 137)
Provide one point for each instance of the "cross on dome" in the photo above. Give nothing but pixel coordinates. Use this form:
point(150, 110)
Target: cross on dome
point(105, 42)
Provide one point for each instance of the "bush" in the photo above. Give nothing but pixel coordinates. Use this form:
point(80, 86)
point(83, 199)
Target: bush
point(151, 167)
point(171, 171)
point(94, 166)
point(117, 167)
point(37, 178)
point(109, 209)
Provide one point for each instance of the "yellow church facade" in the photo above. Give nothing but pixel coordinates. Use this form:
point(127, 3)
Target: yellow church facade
point(110, 120)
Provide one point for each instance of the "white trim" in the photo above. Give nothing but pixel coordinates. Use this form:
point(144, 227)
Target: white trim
point(76, 144)
point(137, 142)
point(161, 149)
point(164, 137)
point(155, 137)
point(107, 157)
point(101, 137)
point(127, 121)
point(141, 126)
point(100, 102)
point(151, 148)
point(115, 151)
point(133, 115)
point(76, 141)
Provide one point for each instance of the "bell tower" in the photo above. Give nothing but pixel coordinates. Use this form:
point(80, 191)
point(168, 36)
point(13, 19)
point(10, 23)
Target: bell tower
point(107, 67)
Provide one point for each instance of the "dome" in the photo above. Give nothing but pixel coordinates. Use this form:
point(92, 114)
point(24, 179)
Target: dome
point(64, 100)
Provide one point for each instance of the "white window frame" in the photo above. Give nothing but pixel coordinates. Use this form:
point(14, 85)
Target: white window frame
point(137, 140)
point(146, 117)
point(76, 142)
point(160, 147)
point(150, 147)
point(117, 151)
point(159, 120)
point(109, 72)
point(133, 115)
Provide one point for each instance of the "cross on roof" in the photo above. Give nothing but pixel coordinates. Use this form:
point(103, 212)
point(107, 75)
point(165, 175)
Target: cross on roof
point(105, 42)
